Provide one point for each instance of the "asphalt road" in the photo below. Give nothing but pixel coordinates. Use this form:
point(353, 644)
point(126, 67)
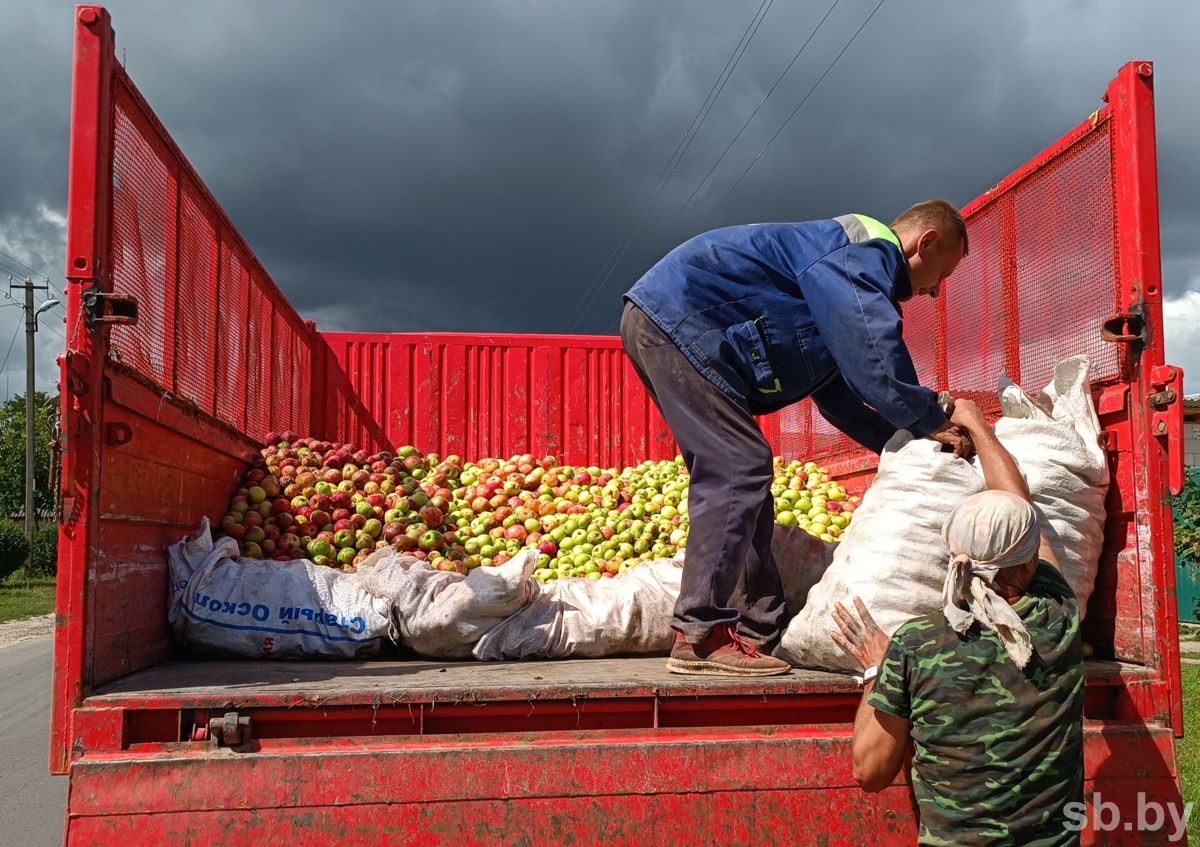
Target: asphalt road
point(32, 802)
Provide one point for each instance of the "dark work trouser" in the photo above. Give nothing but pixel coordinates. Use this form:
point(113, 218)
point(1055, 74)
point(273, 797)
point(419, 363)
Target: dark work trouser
point(729, 575)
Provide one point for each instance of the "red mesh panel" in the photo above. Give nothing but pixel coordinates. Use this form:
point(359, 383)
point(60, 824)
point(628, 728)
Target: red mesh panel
point(976, 310)
point(143, 218)
point(301, 367)
point(232, 299)
point(211, 327)
point(257, 364)
point(1066, 262)
point(282, 387)
point(1038, 282)
point(195, 311)
point(920, 336)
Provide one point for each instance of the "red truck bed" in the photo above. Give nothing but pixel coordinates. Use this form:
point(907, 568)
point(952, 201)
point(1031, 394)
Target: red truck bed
point(160, 419)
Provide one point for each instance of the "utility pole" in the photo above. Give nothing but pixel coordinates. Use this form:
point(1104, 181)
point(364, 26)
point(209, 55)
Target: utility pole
point(30, 444)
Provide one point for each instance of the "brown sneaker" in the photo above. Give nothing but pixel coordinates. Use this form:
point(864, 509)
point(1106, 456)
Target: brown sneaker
point(722, 653)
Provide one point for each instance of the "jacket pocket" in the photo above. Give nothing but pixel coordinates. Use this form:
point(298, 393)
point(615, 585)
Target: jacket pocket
point(813, 353)
point(750, 343)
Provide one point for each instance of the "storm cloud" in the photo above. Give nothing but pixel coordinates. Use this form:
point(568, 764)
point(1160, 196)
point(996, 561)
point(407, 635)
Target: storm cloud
point(473, 166)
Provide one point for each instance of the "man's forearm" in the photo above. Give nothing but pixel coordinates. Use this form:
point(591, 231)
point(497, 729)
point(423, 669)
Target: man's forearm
point(880, 740)
point(1000, 470)
point(863, 715)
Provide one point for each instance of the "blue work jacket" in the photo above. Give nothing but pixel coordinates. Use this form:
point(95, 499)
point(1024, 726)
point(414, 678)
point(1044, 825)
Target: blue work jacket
point(774, 313)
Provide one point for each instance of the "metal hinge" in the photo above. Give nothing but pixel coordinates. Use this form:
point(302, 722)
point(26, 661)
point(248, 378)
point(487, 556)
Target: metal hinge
point(1166, 419)
point(100, 307)
point(230, 730)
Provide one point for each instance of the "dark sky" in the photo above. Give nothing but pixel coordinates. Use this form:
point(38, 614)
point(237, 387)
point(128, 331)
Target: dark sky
point(471, 165)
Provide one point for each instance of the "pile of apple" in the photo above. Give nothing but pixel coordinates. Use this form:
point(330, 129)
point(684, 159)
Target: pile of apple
point(335, 505)
point(806, 497)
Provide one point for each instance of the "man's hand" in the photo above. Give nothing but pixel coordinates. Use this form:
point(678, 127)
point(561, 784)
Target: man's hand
point(967, 416)
point(955, 437)
point(880, 739)
point(1000, 472)
point(861, 638)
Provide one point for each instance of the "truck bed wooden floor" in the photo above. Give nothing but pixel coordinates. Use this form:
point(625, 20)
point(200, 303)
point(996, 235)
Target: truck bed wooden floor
point(221, 683)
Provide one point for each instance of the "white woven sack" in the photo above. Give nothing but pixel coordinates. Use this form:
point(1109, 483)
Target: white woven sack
point(250, 608)
point(627, 615)
point(1055, 439)
point(892, 555)
point(442, 614)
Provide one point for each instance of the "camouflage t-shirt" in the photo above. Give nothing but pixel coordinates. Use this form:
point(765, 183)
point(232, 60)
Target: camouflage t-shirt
point(998, 751)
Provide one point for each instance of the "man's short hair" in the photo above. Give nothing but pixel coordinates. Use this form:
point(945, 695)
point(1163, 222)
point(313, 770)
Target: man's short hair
point(934, 214)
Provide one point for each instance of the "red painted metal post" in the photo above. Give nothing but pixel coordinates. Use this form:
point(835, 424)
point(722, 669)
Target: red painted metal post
point(214, 360)
point(88, 267)
point(1010, 298)
point(172, 255)
point(1131, 96)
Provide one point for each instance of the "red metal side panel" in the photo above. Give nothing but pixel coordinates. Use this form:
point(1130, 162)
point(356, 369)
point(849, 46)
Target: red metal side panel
point(721, 787)
point(573, 397)
point(215, 341)
point(356, 409)
point(176, 467)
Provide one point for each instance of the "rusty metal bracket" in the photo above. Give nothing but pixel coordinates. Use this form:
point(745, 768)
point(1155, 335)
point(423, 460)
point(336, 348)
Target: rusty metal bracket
point(1124, 328)
point(77, 374)
point(230, 730)
point(1166, 419)
point(100, 307)
point(118, 434)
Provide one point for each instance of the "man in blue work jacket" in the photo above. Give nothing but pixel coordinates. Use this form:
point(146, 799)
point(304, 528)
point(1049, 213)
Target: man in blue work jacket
point(744, 321)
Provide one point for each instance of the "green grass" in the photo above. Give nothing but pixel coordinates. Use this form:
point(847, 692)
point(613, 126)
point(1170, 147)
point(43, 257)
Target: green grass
point(22, 598)
point(1188, 749)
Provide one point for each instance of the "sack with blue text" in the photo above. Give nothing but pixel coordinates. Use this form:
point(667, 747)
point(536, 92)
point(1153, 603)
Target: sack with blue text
point(221, 604)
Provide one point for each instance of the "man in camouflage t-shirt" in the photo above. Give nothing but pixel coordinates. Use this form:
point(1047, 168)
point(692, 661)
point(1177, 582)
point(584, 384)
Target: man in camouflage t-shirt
point(991, 693)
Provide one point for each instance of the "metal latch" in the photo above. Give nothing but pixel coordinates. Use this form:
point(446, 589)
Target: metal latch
point(100, 307)
point(1166, 418)
point(1124, 328)
point(231, 730)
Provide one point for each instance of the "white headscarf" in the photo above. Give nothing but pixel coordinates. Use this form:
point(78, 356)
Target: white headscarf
point(987, 532)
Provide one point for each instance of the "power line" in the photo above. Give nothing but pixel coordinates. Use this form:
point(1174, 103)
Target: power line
point(788, 119)
point(20, 270)
point(21, 264)
point(13, 270)
point(771, 90)
point(714, 99)
point(676, 156)
point(17, 331)
point(623, 243)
